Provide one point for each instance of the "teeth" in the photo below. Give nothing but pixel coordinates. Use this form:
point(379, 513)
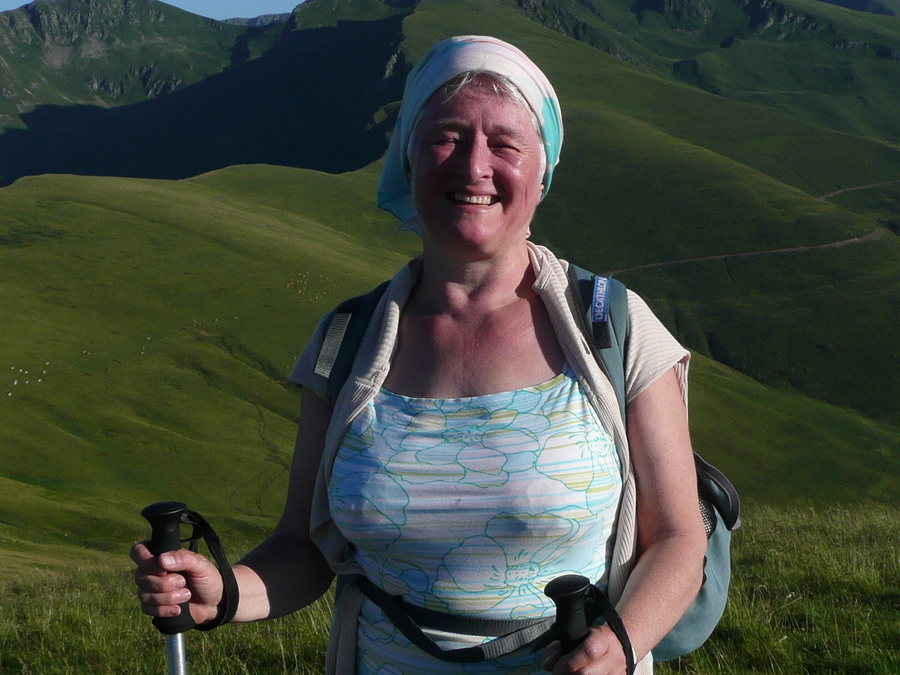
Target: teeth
point(486, 200)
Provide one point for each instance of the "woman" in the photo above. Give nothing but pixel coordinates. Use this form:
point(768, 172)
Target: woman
point(471, 456)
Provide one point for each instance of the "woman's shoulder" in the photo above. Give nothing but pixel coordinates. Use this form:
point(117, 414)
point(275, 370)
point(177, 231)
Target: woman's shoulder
point(652, 349)
point(308, 370)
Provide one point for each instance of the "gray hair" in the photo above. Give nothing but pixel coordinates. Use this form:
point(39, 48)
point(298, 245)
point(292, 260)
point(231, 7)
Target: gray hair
point(498, 85)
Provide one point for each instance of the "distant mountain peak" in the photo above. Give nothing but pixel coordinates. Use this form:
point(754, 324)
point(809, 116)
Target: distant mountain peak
point(263, 20)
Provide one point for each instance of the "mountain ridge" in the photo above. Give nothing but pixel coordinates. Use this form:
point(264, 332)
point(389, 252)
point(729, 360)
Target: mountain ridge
point(111, 52)
point(257, 21)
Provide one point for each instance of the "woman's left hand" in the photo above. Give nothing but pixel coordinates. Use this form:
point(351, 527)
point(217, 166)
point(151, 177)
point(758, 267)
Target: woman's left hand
point(601, 653)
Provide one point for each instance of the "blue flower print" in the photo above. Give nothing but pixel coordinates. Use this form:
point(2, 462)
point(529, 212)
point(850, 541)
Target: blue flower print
point(467, 444)
point(375, 626)
point(369, 508)
point(590, 480)
point(514, 563)
point(412, 582)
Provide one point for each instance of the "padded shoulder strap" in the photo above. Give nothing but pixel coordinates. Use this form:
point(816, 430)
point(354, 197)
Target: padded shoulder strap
point(348, 324)
point(604, 311)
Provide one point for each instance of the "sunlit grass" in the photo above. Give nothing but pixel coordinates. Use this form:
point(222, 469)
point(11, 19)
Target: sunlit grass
point(815, 590)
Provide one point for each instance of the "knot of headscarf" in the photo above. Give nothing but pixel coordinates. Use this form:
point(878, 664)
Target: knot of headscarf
point(444, 61)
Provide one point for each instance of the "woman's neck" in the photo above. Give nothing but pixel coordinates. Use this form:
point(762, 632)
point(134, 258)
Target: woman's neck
point(474, 285)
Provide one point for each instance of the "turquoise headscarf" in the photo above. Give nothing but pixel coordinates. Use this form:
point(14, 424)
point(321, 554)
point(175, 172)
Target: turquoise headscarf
point(444, 61)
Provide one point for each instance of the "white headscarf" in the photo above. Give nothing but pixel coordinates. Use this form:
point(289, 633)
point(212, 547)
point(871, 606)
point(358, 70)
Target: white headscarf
point(444, 61)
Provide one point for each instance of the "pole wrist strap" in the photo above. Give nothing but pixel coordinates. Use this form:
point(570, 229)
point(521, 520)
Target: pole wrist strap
point(230, 591)
point(599, 605)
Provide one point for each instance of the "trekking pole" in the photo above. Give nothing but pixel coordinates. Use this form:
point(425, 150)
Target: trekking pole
point(569, 592)
point(165, 520)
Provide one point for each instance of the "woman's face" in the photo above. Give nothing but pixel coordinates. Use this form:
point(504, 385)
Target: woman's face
point(476, 170)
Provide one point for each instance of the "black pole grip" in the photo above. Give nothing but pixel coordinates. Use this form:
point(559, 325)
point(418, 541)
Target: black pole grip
point(568, 592)
point(165, 523)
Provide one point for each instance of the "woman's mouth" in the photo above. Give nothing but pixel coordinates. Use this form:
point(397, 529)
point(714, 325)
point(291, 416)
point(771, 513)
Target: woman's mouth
point(482, 200)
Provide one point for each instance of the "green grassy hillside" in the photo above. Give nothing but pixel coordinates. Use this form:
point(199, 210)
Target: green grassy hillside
point(814, 61)
point(281, 108)
point(150, 326)
point(148, 329)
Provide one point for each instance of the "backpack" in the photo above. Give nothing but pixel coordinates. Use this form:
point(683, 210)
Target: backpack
point(604, 305)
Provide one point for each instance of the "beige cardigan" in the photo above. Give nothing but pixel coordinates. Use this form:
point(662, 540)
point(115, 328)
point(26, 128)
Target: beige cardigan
point(652, 351)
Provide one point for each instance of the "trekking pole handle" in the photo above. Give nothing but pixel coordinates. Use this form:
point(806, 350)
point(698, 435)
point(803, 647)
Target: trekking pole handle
point(568, 592)
point(165, 523)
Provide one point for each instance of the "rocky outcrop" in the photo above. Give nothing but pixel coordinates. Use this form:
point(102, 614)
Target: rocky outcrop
point(766, 14)
point(257, 21)
point(556, 17)
point(68, 23)
point(144, 77)
point(107, 52)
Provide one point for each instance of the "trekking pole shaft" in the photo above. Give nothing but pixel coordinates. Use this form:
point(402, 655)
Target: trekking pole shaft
point(177, 655)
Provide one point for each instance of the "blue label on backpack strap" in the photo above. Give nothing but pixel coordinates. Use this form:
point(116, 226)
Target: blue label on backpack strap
point(600, 301)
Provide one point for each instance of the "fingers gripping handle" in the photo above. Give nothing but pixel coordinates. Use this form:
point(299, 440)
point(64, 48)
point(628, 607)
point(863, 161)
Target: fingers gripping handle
point(568, 592)
point(165, 521)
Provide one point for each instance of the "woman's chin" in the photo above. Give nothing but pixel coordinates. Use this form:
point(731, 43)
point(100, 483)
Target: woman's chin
point(478, 233)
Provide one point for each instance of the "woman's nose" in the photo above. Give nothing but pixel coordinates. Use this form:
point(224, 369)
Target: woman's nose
point(475, 160)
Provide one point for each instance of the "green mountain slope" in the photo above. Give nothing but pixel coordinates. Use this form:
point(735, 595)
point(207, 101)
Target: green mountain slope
point(135, 369)
point(166, 313)
point(111, 52)
point(150, 324)
point(819, 63)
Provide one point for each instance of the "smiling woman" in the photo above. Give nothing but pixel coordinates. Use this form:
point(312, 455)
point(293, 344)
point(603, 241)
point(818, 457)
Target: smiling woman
point(477, 451)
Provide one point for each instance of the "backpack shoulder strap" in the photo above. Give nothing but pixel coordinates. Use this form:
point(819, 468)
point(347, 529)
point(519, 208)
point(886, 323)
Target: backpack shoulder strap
point(603, 304)
point(349, 321)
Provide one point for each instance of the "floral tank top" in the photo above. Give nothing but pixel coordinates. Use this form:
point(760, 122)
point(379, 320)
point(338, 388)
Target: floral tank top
point(471, 506)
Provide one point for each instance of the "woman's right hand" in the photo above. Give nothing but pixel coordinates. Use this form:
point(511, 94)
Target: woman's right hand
point(166, 581)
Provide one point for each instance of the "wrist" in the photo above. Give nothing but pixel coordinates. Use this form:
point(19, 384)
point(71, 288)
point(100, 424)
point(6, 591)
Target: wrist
point(228, 602)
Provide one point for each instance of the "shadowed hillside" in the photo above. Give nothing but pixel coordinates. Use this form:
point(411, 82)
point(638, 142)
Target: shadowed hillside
point(111, 52)
point(314, 100)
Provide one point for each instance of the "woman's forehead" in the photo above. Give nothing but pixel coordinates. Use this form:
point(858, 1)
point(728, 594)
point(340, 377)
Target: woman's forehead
point(492, 112)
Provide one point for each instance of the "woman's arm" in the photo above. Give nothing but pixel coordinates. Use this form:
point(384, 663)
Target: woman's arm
point(284, 573)
point(671, 537)
point(289, 566)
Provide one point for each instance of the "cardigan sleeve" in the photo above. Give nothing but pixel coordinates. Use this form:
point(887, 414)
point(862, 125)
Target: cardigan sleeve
point(652, 350)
